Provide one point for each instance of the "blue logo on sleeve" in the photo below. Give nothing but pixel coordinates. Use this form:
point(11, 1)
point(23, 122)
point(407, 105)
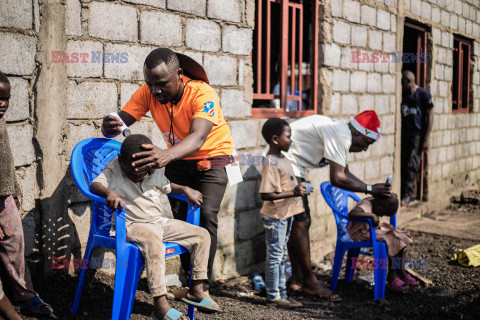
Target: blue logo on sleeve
point(208, 108)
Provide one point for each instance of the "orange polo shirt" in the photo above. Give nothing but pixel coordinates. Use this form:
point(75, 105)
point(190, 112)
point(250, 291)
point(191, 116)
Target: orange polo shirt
point(199, 100)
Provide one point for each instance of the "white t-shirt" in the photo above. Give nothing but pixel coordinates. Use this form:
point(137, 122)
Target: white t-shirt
point(316, 140)
point(146, 200)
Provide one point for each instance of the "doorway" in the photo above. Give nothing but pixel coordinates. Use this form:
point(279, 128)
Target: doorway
point(415, 57)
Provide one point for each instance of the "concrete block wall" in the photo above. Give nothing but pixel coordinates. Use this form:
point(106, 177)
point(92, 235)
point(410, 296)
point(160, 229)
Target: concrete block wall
point(454, 156)
point(19, 23)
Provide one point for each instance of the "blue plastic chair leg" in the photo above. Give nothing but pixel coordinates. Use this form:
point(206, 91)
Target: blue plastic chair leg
point(127, 273)
point(380, 273)
point(81, 280)
point(191, 309)
point(352, 253)
point(337, 265)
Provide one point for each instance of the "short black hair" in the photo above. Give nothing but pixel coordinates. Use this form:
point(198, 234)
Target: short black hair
point(273, 127)
point(162, 55)
point(386, 206)
point(3, 78)
point(133, 144)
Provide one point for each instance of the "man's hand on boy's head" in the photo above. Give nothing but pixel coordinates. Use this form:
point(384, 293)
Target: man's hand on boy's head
point(193, 196)
point(300, 190)
point(114, 200)
point(152, 158)
point(381, 190)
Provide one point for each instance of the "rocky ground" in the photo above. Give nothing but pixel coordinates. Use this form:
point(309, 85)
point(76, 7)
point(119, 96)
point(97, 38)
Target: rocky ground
point(454, 294)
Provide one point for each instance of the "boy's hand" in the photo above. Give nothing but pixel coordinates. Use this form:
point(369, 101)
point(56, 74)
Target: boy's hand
point(300, 190)
point(114, 200)
point(2, 234)
point(193, 196)
point(111, 125)
point(381, 189)
point(375, 220)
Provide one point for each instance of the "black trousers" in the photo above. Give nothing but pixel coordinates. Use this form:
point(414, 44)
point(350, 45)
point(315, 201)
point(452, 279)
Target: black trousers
point(412, 147)
point(212, 184)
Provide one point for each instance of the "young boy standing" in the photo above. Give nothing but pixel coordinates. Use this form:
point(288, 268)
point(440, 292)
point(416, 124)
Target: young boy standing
point(143, 193)
point(282, 200)
point(12, 246)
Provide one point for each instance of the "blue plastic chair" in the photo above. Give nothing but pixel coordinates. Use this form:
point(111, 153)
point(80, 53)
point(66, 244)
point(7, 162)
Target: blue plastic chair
point(89, 158)
point(337, 199)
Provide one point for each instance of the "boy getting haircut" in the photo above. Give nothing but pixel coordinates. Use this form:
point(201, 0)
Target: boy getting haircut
point(144, 195)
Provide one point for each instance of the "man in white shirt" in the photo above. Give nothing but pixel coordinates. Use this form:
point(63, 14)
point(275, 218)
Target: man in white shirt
point(318, 141)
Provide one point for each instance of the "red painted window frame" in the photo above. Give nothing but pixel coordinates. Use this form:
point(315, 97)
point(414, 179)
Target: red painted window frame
point(462, 103)
point(264, 93)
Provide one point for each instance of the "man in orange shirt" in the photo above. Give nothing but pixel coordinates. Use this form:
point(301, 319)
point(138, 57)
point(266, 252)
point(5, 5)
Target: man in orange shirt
point(188, 114)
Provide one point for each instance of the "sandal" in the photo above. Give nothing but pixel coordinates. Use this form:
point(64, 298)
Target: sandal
point(207, 304)
point(172, 314)
point(36, 306)
point(411, 281)
point(397, 285)
point(282, 303)
point(327, 294)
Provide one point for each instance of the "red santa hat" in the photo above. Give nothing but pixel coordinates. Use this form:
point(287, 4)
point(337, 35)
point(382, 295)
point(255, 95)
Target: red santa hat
point(367, 123)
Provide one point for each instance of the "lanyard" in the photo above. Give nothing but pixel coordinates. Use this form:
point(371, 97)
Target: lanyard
point(171, 135)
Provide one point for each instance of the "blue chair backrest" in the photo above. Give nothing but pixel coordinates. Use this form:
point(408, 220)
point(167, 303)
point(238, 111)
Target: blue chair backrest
point(337, 199)
point(89, 158)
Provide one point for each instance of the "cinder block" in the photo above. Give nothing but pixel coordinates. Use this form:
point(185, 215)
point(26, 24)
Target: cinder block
point(375, 40)
point(229, 10)
point(349, 104)
point(461, 24)
point(73, 20)
point(152, 3)
point(19, 59)
point(360, 36)
point(249, 223)
point(77, 133)
point(381, 104)
point(126, 92)
point(119, 24)
point(91, 100)
point(445, 18)
point(416, 6)
point(358, 81)
point(250, 13)
point(388, 81)
point(337, 8)
point(351, 10)
point(16, 14)
point(374, 82)
point(368, 15)
point(453, 21)
point(388, 124)
point(331, 54)
point(132, 69)
point(21, 144)
point(335, 105)
point(389, 40)
point(367, 102)
point(426, 10)
point(234, 105)
point(341, 80)
point(93, 68)
point(159, 28)
point(237, 40)
point(19, 100)
point(244, 133)
point(221, 70)
point(203, 35)
point(195, 7)
point(347, 61)
point(341, 32)
point(383, 20)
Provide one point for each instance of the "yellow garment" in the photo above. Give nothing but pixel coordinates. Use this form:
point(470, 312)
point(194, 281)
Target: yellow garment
point(469, 257)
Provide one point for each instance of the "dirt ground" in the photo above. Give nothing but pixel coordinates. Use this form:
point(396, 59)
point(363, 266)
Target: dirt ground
point(455, 293)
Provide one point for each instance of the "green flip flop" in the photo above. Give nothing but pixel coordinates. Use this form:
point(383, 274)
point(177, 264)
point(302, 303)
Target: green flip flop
point(207, 304)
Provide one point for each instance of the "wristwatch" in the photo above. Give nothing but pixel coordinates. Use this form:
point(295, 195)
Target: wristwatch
point(369, 188)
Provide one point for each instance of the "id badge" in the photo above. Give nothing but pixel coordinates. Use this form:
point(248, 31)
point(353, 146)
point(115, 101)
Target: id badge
point(234, 174)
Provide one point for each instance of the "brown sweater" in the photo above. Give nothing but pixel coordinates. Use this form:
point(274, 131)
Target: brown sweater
point(7, 169)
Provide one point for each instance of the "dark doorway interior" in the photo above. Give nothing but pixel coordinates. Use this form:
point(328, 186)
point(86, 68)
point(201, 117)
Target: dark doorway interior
point(415, 58)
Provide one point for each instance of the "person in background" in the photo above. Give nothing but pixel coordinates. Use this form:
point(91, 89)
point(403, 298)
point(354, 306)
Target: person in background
point(417, 124)
point(12, 247)
point(318, 141)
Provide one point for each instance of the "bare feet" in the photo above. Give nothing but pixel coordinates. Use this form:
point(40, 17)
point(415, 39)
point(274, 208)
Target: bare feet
point(322, 292)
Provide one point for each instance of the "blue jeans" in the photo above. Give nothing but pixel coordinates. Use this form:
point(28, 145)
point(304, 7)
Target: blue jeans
point(276, 234)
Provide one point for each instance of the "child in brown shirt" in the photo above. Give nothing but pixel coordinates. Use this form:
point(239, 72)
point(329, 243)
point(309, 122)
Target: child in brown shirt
point(282, 200)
